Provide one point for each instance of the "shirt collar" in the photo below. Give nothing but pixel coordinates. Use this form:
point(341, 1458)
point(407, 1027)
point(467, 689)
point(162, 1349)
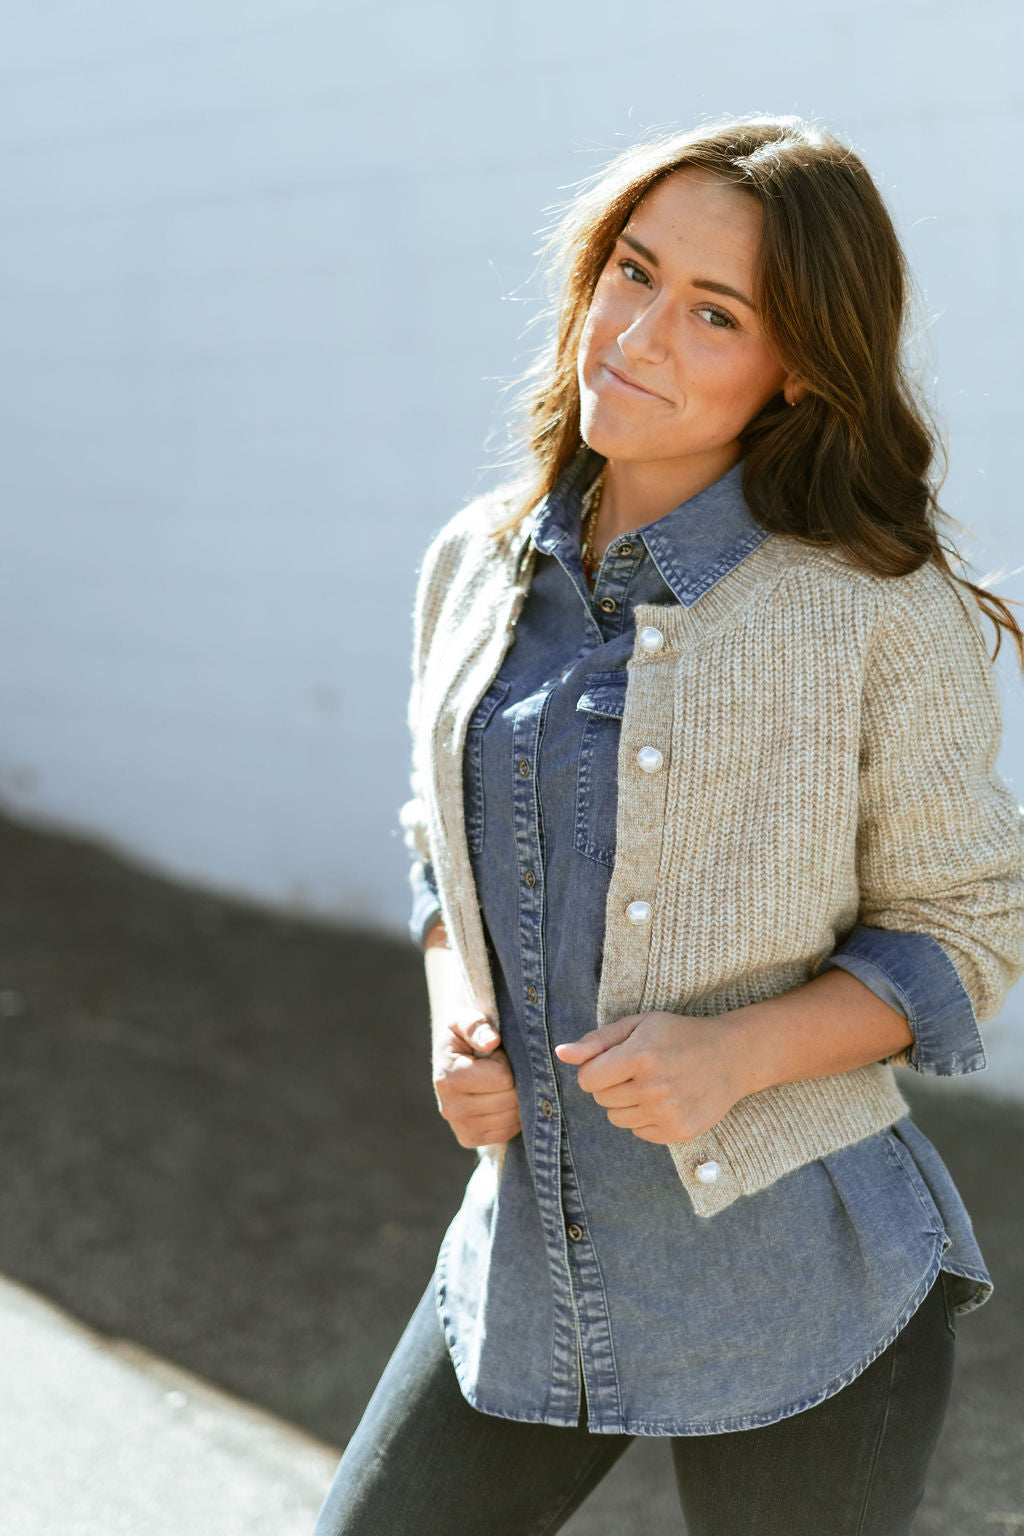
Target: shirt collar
point(693, 546)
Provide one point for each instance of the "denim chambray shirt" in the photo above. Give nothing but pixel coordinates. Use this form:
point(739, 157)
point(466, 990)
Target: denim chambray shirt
point(558, 1271)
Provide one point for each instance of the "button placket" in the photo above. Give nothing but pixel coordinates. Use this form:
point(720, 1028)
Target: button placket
point(527, 730)
point(609, 595)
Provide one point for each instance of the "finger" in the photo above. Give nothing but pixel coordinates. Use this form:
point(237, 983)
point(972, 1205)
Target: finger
point(474, 1114)
point(485, 1106)
point(636, 1118)
point(480, 1074)
point(596, 1041)
point(629, 1119)
point(485, 1127)
point(499, 1130)
point(468, 1060)
point(612, 1069)
point(464, 1106)
point(620, 1096)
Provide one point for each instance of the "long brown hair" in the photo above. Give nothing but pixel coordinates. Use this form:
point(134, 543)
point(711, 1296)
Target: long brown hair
point(852, 465)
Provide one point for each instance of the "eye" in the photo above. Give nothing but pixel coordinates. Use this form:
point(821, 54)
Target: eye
point(718, 319)
point(628, 266)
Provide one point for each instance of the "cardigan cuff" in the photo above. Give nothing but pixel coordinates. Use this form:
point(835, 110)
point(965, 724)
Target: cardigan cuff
point(914, 974)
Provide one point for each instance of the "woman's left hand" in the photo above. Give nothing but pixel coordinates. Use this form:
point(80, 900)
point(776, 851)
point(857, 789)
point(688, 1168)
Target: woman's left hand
point(663, 1076)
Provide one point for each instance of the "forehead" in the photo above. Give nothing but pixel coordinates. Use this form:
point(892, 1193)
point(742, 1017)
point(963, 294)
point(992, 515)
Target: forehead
point(692, 215)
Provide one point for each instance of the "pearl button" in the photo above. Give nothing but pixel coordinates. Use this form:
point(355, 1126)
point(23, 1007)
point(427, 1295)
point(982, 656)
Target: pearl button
point(649, 759)
point(639, 911)
point(708, 1171)
point(650, 639)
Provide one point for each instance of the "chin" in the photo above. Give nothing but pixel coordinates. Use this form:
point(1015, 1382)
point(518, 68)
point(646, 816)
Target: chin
point(615, 445)
point(604, 436)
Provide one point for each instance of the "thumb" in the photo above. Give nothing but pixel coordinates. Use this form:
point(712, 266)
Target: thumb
point(576, 1052)
point(478, 1032)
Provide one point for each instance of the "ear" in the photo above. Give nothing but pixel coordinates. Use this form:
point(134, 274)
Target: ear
point(793, 391)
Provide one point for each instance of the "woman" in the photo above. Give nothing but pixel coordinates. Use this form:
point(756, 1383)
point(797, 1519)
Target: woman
point(709, 835)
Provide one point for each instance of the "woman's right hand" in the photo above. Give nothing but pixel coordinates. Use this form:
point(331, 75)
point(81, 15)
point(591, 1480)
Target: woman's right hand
point(473, 1081)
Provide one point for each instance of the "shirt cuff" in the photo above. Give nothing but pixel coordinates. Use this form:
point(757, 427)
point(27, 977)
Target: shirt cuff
point(914, 974)
point(426, 908)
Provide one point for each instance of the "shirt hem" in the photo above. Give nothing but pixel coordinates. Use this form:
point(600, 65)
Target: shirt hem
point(738, 1422)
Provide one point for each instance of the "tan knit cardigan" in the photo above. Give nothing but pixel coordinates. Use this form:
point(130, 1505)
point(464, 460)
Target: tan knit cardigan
point(829, 740)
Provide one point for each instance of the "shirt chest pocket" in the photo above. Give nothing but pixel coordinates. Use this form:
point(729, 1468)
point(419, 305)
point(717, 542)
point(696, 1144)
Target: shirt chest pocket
point(601, 706)
point(473, 763)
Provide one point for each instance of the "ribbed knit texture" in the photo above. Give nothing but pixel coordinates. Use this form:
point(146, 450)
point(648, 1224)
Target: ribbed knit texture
point(829, 738)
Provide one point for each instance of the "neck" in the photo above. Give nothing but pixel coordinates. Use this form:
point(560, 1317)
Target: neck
point(639, 493)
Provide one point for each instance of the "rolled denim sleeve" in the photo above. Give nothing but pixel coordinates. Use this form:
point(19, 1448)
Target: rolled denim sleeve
point(426, 908)
point(914, 974)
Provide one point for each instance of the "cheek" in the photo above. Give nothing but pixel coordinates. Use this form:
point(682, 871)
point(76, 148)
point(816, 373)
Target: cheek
point(593, 330)
point(608, 315)
point(751, 381)
point(586, 341)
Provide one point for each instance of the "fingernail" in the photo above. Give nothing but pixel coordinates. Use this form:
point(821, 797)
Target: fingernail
point(485, 1034)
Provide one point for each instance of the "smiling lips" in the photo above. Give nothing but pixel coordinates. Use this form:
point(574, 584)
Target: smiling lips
point(630, 386)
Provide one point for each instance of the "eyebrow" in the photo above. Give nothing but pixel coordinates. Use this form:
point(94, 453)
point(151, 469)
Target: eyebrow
point(707, 283)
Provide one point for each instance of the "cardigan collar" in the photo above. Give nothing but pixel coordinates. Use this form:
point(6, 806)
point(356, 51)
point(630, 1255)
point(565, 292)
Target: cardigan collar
point(693, 546)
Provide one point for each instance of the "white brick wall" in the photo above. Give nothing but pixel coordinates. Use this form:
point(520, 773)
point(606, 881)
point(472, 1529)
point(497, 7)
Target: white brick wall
point(264, 270)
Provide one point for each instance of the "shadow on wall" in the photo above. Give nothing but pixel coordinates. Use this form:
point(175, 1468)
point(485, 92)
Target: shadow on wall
point(219, 1140)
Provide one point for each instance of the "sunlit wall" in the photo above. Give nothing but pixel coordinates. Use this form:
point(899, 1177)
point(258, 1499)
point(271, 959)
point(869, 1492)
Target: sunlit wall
point(266, 269)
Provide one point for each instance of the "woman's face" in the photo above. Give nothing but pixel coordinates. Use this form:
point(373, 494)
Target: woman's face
point(672, 362)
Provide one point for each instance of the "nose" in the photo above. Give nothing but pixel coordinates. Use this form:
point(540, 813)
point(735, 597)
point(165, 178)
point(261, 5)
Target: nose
point(644, 338)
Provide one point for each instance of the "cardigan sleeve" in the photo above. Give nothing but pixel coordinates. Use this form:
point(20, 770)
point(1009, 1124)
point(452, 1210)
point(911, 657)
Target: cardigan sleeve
point(940, 840)
point(412, 814)
point(435, 573)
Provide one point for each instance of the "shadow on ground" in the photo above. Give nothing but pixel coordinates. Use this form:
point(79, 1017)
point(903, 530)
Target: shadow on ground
point(219, 1141)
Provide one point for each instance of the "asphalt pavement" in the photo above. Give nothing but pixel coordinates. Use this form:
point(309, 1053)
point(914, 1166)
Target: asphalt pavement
point(224, 1185)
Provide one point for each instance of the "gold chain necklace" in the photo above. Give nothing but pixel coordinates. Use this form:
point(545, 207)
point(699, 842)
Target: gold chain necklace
point(590, 563)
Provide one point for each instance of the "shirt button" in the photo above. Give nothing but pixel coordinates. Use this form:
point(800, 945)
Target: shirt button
point(607, 605)
point(531, 994)
point(574, 1231)
point(624, 549)
point(708, 1171)
point(524, 768)
point(530, 878)
point(649, 759)
point(639, 911)
point(547, 1106)
point(650, 639)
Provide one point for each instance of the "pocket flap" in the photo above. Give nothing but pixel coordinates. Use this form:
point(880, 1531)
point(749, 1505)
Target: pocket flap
point(605, 694)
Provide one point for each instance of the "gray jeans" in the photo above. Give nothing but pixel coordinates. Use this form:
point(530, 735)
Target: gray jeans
point(423, 1462)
